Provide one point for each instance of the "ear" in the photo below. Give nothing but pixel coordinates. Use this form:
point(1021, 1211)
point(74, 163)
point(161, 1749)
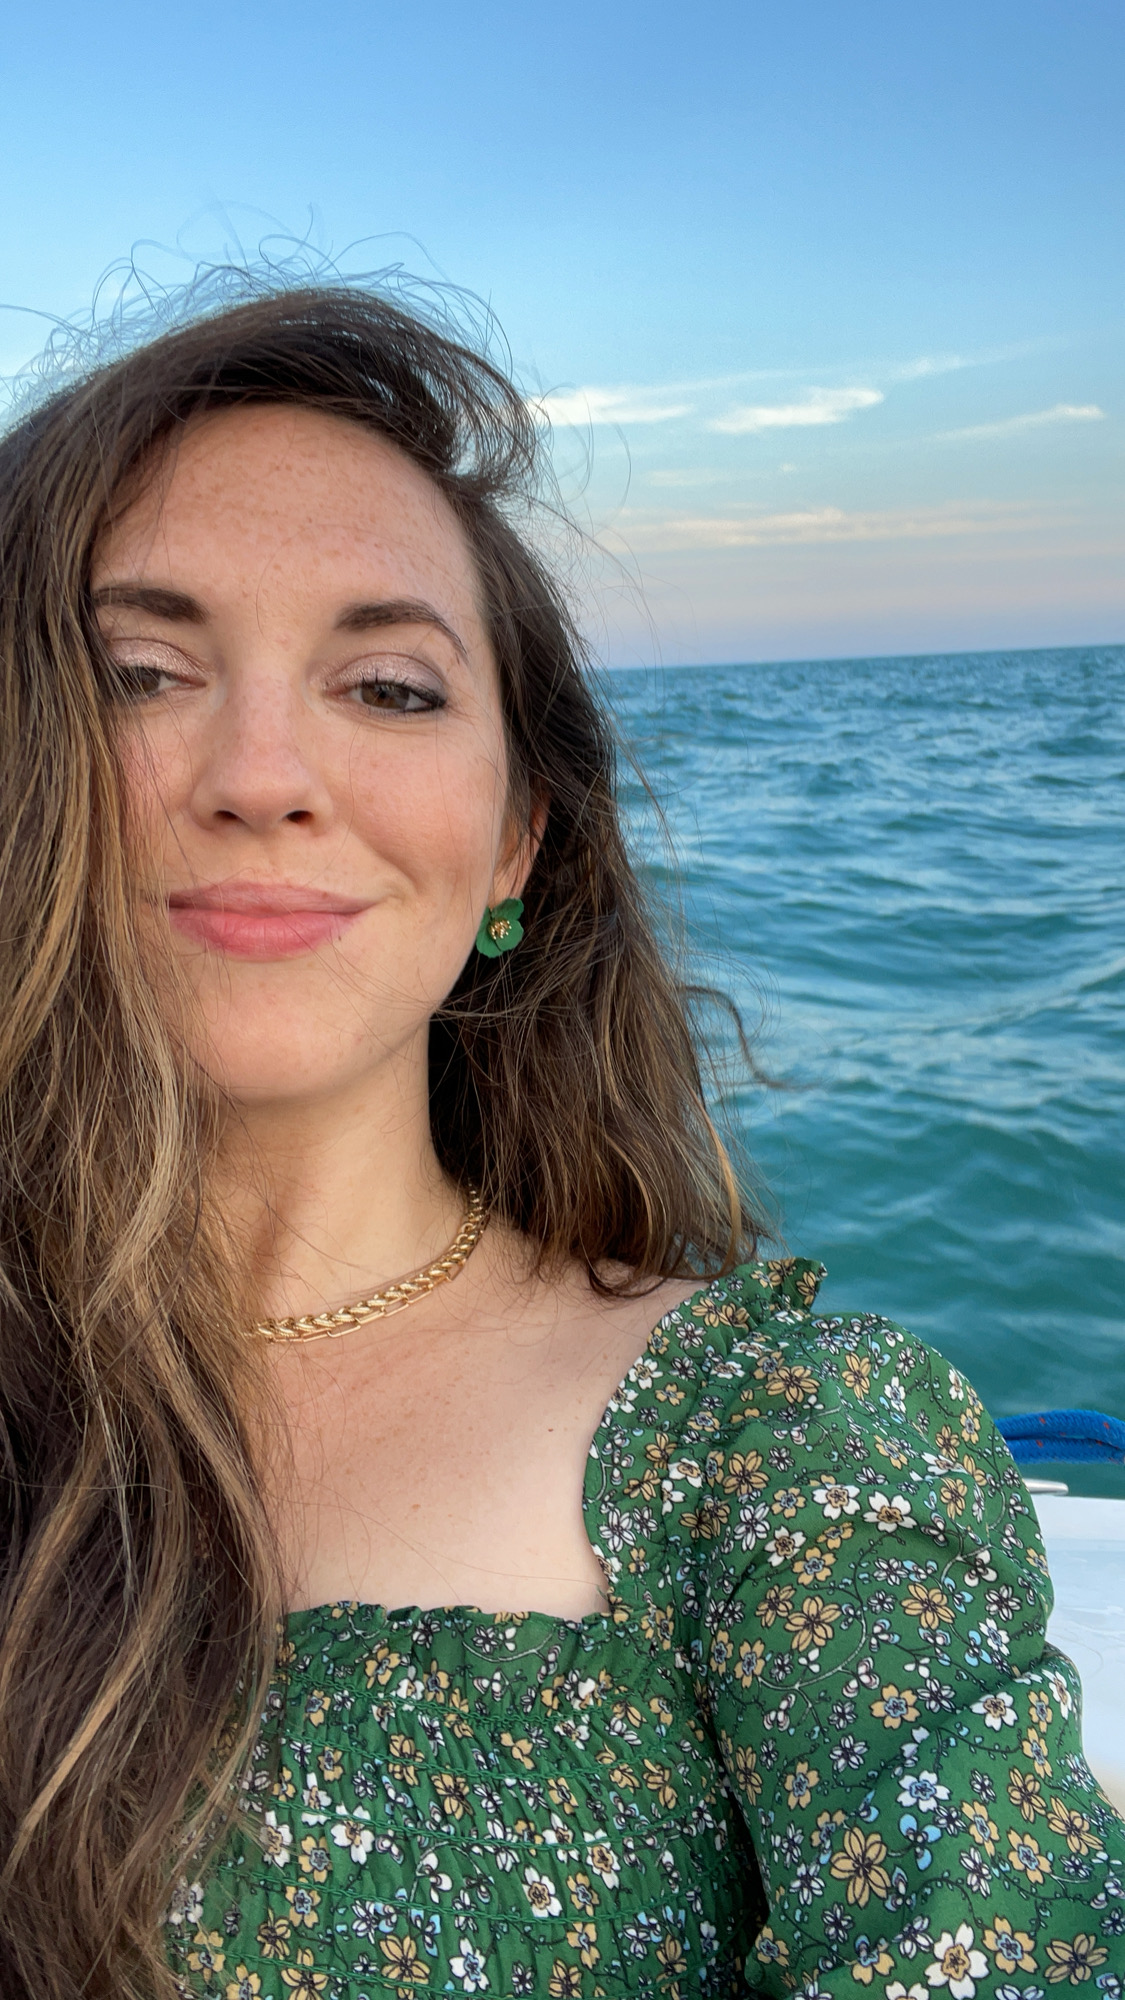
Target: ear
point(518, 858)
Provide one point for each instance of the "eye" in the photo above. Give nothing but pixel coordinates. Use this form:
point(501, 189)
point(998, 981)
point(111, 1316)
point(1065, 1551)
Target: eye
point(396, 686)
point(398, 697)
point(140, 672)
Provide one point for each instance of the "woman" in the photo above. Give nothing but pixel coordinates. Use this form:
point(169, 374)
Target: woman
point(324, 963)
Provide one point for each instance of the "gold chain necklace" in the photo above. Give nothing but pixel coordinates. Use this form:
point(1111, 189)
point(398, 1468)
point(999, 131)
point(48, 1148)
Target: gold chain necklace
point(330, 1325)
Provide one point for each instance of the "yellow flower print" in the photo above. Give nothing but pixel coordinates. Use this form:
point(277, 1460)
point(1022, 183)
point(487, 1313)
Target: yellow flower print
point(581, 1891)
point(565, 1982)
point(953, 1494)
point(895, 1452)
point(812, 1624)
point(304, 1983)
point(982, 1830)
point(799, 1785)
point(659, 1451)
point(879, 1961)
point(520, 1748)
point(708, 1520)
point(795, 1383)
point(776, 1603)
point(274, 1937)
point(304, 1905)
point(659, 1624)
point(659, 1780)
point(751, 1661)
point(928, 1603)
point(744, 1474)
point(457, 1714)
point(317, 1707)
point(970, 1425)
point(623, 1777)
point(895, 1706)
point(745, 1766)
point(403, 1961)
point(1026, 1793)
point(788, 1500)
point(1026, 1857)
point(583, 1938)
point(381, 1666)
point(860, 1865)
point(813, 1566)
point(284, 1786)
point(1073, 1825)
point(561, 1795)
point(856, 1373)
point(244, 1986)
point(1074, 1959)
point(644, 1488)
point(715, 1315)
point(671, 1959)
point(207, 1957)
point(403, 1764)
point(947, 1443)
point(331, 1766)
point(1035, 1748)
point(771, 1950)
point(1011, 1949)
point(435, 1681)
point(661, 1711)
point(1039, 1708)
point(315, 1859)
point(453, 1792)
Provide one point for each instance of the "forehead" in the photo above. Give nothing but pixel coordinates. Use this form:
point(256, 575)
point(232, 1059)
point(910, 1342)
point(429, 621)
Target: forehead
point(293, 496)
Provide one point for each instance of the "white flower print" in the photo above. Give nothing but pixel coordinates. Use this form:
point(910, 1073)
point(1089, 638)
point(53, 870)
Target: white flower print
point(357, 1838)
point(997, 1709)
point(541, 1894)
point(469, 1968)
point(276, 1839)
point(784, 1546)
point(837, 1500)
point(889, 1511)
point(956, 1963)
point(602, 1859)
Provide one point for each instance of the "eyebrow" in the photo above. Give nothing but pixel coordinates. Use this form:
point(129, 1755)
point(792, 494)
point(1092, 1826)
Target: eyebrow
point(180, 609)
point(174, 605)
point(396, 611)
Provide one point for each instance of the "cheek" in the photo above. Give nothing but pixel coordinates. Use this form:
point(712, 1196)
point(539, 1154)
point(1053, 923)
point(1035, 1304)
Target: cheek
point(155, 774)
point(438, 817)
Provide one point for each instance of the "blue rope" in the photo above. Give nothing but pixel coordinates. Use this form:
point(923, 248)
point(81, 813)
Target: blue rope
point(1064, 1435)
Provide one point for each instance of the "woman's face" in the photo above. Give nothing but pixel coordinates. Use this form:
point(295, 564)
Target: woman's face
point(313, 743)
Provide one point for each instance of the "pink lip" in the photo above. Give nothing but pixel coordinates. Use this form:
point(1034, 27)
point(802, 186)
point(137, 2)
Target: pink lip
point(259, 920)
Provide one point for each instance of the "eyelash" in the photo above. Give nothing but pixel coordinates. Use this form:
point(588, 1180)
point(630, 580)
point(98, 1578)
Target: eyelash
point(129, 673)
point(429, 698)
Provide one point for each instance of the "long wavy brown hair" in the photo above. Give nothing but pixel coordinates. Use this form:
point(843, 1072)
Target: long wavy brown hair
point(138, 1580)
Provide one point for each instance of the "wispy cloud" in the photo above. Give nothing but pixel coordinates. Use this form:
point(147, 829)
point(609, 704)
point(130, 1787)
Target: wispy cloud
point(817, 406)
point(1059, 413)
point(608, 406)
point(816, 524)
point(935, 364)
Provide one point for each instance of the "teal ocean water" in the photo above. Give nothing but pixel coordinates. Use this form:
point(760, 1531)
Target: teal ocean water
point(910, 874)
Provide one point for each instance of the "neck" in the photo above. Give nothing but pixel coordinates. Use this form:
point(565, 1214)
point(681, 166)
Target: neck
point(334, 1196)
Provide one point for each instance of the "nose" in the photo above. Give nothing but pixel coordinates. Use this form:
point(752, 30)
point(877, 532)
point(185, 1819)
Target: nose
point(256, 767)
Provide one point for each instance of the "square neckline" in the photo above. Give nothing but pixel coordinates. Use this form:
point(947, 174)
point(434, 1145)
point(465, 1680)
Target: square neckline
point(406, 1617)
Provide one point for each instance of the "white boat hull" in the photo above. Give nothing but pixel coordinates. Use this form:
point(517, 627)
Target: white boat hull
point(1085, 1542)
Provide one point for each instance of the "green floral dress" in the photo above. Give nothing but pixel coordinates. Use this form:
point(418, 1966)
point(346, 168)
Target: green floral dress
point(817, 1744)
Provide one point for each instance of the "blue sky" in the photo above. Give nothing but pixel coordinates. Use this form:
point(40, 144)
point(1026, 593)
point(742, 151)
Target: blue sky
point(824, 300)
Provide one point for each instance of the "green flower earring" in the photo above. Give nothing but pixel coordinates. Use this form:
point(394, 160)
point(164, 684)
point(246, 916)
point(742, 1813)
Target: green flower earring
point(500, 928)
